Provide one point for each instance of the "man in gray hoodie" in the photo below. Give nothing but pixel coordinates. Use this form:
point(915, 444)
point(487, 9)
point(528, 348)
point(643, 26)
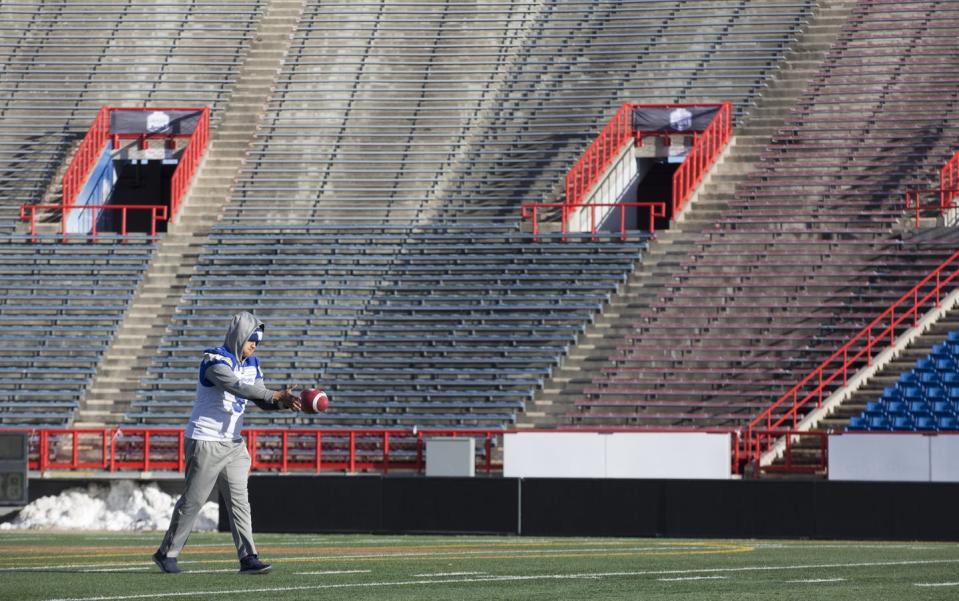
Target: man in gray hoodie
point(228, 378)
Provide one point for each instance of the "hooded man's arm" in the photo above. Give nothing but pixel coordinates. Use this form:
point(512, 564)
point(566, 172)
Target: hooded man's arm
point(223, 377)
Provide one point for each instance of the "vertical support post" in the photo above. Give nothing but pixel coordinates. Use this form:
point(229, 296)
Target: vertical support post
point(386, 452)
point(181, 461)
point(419, 451)
point(318, 457)
point(251, 442)
point(113, 449)
point(352, 452)
point(103, 448)
point(93, 223)
point(146, 450)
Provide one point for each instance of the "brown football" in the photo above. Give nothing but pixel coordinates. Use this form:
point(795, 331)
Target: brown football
point(314, 400)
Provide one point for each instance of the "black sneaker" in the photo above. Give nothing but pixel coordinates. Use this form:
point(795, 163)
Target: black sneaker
point(167, 564)
point(251, 564)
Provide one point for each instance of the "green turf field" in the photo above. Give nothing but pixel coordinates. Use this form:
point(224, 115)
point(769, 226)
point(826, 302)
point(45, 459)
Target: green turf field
point(103, 565)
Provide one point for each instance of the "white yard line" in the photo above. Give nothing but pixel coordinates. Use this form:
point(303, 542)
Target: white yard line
point(328, 572)
point(439, 574)
point(682, 578)
point(933, 584)
point(217, 571)
point(136, 569)
point(100, 567)
point(815, 580)
point(398, 583)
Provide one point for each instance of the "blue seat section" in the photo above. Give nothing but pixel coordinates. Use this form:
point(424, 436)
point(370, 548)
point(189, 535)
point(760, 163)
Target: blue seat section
point(924, 399)
point(60, 306)
point(436, 326)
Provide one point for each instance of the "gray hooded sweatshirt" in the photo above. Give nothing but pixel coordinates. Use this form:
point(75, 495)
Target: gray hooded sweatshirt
point(226, 382)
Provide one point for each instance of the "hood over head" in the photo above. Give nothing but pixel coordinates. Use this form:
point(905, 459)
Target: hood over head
point(241, 328)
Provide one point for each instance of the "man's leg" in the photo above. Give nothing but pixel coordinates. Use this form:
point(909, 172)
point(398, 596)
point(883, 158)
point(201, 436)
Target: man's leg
point(232, 483)
point(202, 468)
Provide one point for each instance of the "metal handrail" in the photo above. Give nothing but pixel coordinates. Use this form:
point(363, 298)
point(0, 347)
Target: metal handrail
point(596, 159)
point(158, 213)
point(92, 147)
point(293, 450)
point(913, 197)
point(530, 211)
point(707, 147)
point(850, 354)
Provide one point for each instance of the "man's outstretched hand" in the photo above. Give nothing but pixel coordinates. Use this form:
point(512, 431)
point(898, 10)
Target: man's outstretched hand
point(287, 398)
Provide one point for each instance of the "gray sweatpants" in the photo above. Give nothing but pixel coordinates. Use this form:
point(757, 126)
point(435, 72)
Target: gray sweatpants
point(226, 464)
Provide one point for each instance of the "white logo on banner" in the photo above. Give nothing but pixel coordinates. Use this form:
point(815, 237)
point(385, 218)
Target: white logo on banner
point(157, 121)
point(680, 119)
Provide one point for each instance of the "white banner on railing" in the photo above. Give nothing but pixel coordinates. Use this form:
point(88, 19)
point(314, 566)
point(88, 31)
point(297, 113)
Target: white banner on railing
point(677, 455)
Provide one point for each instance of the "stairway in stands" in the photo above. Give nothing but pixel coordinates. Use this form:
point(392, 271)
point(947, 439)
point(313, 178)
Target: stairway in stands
point(135, 343)
point(806, 451)
point(647, 285)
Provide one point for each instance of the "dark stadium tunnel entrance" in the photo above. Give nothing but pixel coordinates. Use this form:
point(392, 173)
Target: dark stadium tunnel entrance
point(139, 182)
point(656, 186)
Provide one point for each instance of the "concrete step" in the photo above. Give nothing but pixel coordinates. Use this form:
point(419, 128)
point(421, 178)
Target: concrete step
point(176, 257)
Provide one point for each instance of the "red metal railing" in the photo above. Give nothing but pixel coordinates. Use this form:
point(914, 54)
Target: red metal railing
point(87, 155)
point(276, 450)
point(706, 149)
point(707, 146)
point(949, 182)
point(92, 146)
point(766, 438)
point(189, 161)
point(531, 211)
point(351, 450)
point(292, 450)
point(947, 191)
point(834, 372)
point(597, 157)
point(914, 200)
point(158, 213)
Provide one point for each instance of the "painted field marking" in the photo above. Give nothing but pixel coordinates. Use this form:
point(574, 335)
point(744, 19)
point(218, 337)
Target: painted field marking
point(121, 569)
point(661, 551)
point(216, 571)
point(931, 584)
point(438, 574)
point(43, 551)
point(815, 580)
point(101, 567)
point(329, 572)
point(487, 579)
point(692, 578)
point(800, 545)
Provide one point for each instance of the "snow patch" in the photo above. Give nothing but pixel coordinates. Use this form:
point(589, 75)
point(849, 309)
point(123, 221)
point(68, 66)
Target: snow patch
point(123, 505)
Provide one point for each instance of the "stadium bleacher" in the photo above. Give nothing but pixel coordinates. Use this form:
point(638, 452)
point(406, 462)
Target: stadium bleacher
point(375, 225)
point(491, 106)
point(59, 63)
point(410, 327)
point(809, 246)
point(59, 306)
point(401, 168)
point(58, 66)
